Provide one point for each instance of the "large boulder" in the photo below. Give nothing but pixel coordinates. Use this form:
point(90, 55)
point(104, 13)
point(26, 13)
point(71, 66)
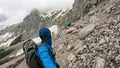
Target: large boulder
point(117, 59)
point(86, 30)
point(100, 62)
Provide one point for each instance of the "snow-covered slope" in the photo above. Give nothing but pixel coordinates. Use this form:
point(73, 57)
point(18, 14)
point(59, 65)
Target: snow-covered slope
point(6, 36)
point(7, 43)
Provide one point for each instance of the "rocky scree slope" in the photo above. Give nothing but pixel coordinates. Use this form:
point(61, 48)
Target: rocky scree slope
point(95, 43)
point(31, 23)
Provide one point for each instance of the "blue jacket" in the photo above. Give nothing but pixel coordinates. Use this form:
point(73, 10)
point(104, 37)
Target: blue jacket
point(44, 50)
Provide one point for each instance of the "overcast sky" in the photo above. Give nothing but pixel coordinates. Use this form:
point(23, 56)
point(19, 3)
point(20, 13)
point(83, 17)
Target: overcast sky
point(16, 10)
point(15, 7)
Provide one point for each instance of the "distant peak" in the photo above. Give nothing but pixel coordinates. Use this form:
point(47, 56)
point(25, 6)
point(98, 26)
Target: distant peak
point(35, 11)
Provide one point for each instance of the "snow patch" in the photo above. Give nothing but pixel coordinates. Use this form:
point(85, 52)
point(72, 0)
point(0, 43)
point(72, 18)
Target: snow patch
point(7, 44)
point(53, 12)
point(42, 15)
point(50, 13)
point(62, 13)
point(19, 52)
point(2, 27)
point(37, 40)
point(6, 36)
point(54, 29)
point(11, 56)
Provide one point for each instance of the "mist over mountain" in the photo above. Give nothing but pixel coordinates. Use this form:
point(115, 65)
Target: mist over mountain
point(3, 17)
point(17, 10)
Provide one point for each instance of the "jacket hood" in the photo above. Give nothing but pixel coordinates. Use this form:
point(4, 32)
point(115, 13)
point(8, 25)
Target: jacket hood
point(45, 35)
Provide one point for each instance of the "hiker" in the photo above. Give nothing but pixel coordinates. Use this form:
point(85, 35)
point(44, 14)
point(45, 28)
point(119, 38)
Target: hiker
point(44, 51)
point(70, 27)
point(68, 24)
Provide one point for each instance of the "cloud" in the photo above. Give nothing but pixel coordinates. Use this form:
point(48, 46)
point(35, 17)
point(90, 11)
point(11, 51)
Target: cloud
point(16, 10)
point(13, 7)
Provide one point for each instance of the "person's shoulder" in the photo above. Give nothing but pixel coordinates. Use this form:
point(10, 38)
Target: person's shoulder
point(42, 48)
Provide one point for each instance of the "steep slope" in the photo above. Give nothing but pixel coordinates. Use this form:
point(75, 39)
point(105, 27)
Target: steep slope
point(80, 9)
point(95, 43)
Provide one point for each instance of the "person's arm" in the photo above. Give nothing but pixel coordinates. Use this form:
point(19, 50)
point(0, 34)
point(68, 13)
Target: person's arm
point(45, 58)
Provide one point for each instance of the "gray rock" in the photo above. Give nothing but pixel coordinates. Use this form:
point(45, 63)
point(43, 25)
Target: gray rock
point(70, 65)
point(71, 57)
point(108, 9)
point(118, 25)
point(63, 33)
point(93, 18)
point(86, 56)
point(60, 48)
point(100, 62)
point(97, 48)
point(86, 31)
point(78, 45)
point(91, 13)
point(117, 59)
point(102, 41)
point(80, 50)
point(69, 47)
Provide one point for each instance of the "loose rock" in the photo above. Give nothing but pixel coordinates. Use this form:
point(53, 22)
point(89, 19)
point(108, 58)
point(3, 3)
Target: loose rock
point(100, 63)
point(86, 30)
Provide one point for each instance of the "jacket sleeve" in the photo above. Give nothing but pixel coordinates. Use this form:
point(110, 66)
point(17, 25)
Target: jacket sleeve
point(45, 58)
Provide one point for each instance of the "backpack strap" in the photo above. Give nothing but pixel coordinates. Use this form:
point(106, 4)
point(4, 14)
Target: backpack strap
point(51, 52)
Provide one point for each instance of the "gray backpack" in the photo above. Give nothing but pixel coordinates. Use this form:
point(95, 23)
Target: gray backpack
point(30, 48)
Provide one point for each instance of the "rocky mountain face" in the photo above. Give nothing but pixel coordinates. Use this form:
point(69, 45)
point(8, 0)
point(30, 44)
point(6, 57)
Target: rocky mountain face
point(80, 9)
point(28, 27)
point(95, 43)
point(31, 23)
